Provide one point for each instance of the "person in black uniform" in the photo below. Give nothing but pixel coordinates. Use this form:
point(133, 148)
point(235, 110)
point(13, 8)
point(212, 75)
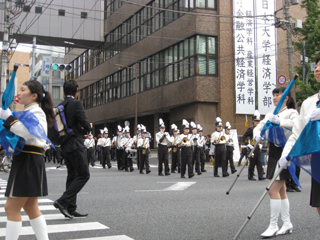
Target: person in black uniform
point(135, 142)
point(104, 144)
point(116, 141)
point(27, 180)
point(201, 146)
point(126, 144)
point(143, 145)
point(73, 152)
point(90, 145)
point(186, 152)
point(195, 148)
point(163, 138)
point(176, 154)
point(218, 139)
point(255, 159)
point(230, 148)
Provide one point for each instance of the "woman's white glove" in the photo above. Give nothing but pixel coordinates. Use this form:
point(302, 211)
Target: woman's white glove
point(315, 115)
point(250, 146)
point(258, 139)
point(4, 114)
point(274, 119)
point(283, 162)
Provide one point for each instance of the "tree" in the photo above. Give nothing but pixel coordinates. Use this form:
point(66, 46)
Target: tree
point(310, 34)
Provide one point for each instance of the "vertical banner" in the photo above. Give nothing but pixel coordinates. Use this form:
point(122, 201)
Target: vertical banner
point(46, 63)
point(266, 54)
point(243, 26)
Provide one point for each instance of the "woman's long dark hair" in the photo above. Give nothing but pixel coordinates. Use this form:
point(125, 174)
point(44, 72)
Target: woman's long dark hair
point(44, 98)
point(290, 103)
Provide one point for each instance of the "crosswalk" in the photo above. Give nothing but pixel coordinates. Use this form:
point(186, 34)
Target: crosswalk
point(68, 226)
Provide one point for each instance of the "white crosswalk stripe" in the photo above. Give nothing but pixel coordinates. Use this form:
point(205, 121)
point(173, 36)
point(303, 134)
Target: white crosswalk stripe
point(55, 228)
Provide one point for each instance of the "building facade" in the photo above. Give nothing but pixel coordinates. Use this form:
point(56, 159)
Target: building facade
point(182, 55)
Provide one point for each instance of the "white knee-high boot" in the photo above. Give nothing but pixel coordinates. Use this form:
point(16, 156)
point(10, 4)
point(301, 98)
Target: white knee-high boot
point(13, 230)
point(275, 206)
point(39, 227)
point(285, 216)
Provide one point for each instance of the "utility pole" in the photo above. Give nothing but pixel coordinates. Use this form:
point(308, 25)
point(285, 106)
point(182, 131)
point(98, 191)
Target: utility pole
point(289, 46)
point(5, 47)
point(33, 58)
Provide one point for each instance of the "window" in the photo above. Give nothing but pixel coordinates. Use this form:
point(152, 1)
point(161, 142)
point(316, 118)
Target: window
point(38, 10)
point(26, 8)
point(56, 74)
point(61, 12)
point(84, 14)
point(55, 92)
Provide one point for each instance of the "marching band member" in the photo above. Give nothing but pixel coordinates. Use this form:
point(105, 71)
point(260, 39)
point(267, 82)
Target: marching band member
point(176, 154)
point(255, 159)
point(104, 144)
point(116, 142)
point(186, 152)
point(143, 145)
point(163, 138)
point(230, 148)
point(201, 146)
point(90, 145)
point(135, 141)
point(126, 144)
point(218, 139)
point(279, 202)
point(195, 149)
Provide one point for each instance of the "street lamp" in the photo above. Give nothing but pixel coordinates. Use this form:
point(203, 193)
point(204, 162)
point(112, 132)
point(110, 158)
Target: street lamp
point(136, 108)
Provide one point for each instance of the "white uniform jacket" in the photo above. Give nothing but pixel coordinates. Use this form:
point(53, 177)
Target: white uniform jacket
point(19, 129)
point(216, 137)
point(104, 142)
point(166, 140)
point(89, 143)
point(143, 143)
point(183, 143)
point(307, 107)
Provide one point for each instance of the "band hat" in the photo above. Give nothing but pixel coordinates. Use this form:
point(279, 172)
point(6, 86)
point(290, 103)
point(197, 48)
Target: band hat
point(126, 129)
point(174, 127)
point(119, 128)
point(161, 123)
point(185, 124)
point(218, 122)
point(101, 131)
point(193, 125)
point(199, 128)
point(256, 116)
point(105, 130)
point(228, 126)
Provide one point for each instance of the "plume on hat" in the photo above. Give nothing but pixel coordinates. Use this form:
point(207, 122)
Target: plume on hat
point(193, 125)
point(119, 128)
point(174, 127)
point(161, 121)
point(105, 130)
point(218, 119)
point(228, 125)
point(199, 127)
point(101, 131)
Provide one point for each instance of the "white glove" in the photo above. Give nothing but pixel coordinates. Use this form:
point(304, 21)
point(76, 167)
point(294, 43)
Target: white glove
point(4, 114)
point(315, 115)
point(258, 139)
point(250, 146)
point(274, 119)
point(283, 162)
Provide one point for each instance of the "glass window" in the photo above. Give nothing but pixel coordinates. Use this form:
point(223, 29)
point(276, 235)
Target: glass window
point(202, 65)
point(191, 46)
point(156, 79)
point(170, 55)
point(180, 51)
point(175, 53)
point(186, 48)
point(192, 66)
point(186, 68)
point(211, 3)
point(55, 92)
point(212, 66)
point(201, 3)
point(201, 45)
point(211, 45)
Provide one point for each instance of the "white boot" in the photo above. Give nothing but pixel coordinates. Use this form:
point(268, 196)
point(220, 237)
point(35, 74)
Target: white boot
point(275, 206)
point(39, 227)
point(13, 230)
point(285, 216)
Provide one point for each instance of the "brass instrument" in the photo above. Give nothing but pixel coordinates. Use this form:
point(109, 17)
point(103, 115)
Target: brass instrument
point(185, 140)
point(174, 148)
point(144, 149)
point(223, 138)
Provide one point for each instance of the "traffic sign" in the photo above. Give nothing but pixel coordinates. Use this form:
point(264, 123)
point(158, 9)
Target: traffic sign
point(282, 79)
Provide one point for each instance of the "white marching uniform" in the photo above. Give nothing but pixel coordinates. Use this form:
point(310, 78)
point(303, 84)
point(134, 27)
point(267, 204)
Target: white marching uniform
point(186, 154)
point(163, 139)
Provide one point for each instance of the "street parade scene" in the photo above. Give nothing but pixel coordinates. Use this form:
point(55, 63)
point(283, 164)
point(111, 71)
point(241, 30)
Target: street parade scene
point(160, 120)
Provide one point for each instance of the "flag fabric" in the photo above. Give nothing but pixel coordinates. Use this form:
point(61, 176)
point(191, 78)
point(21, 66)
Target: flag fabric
point(11, 143)
point(306, 151)
point(273, 132)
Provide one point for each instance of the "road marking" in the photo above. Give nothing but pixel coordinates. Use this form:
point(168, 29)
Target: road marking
point(59, 228)
point(41, 208)
point(179, 186)
point(118, 237)
point(46, 216)
point(39, 201)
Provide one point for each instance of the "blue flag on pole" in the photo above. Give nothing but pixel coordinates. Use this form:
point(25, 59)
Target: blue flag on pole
point(306, 151)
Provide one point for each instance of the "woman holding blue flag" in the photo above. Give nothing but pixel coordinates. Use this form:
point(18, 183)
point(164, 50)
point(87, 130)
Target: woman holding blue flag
point(309, 111)
point(279, 203)
point(27, 180)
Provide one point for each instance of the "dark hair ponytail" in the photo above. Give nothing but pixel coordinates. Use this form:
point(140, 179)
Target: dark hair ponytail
point(44, 98)
point(290, 103)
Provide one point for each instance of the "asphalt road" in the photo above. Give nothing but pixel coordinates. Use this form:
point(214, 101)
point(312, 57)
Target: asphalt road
point(150, 207)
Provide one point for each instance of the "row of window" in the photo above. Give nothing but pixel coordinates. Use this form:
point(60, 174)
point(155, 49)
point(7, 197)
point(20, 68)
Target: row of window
point(61, 12)
point(194, 56)
point(140, 25)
